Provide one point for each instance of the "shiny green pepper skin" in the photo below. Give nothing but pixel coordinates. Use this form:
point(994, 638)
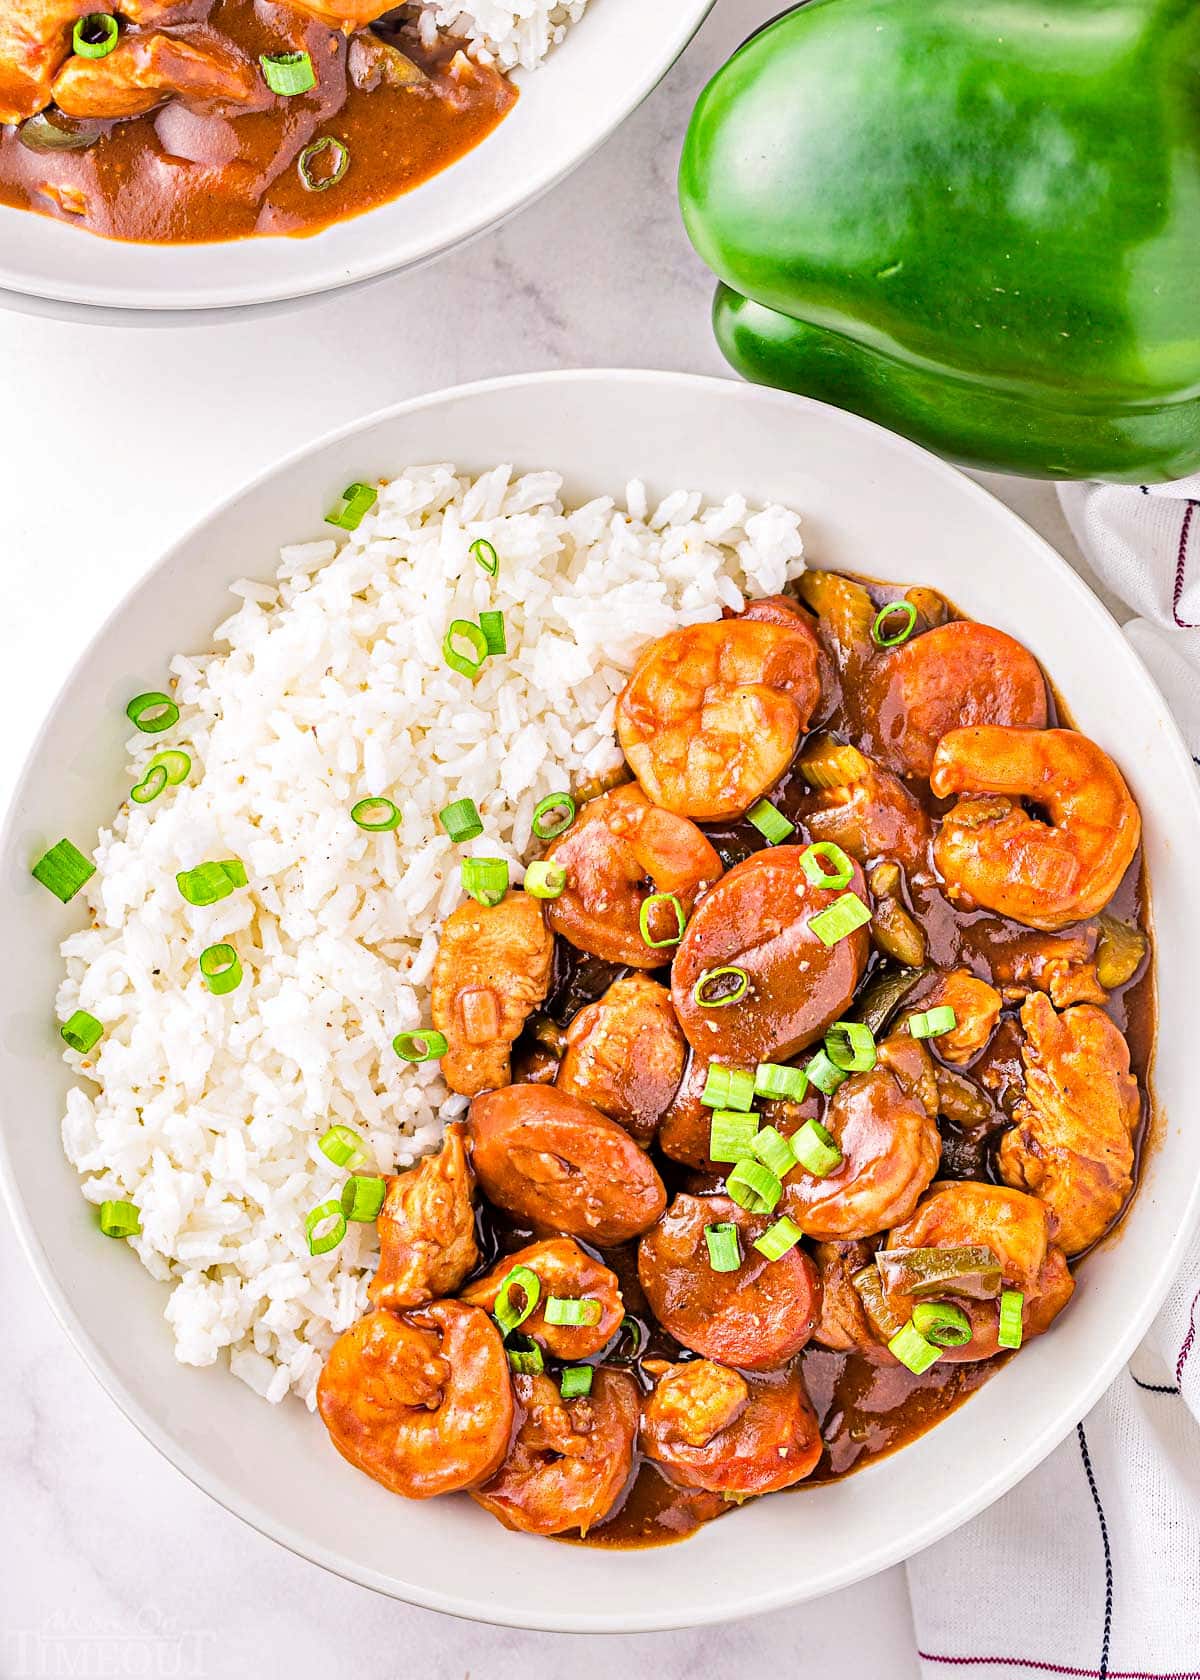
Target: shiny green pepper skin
point(975, 221)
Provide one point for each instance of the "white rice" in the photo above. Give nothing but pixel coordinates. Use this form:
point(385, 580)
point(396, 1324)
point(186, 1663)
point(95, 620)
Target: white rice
point(324, 687)
point(507, 33)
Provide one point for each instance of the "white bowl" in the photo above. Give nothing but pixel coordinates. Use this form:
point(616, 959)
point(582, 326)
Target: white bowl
point(872, 503)
point(608, 63)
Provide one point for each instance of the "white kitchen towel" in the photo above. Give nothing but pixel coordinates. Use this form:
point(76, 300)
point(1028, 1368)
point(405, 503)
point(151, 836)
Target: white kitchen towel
point(1091, 1567)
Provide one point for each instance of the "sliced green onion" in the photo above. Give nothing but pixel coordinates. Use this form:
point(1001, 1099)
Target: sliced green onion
point(774, 1151)
point(423, 1045)
point(942, 1323)
point(467, 665)
point(545, 879)
point(932, 1023)
point(485, 879)
point(754, 1187)
point(631, 1327)
point(816, 1149)
point(912, 1350)
point(315, 149)
point(63, 870)
point(461, 820)
point(730, 1134)
point(715, 979)
point(824, 1074)
point(649, 905)
point(96, 35)
point(222, 969)
point(843, 917)
point(81, 1032)
point(526, 1360)
point(150, 786)
point(485, 555)
point(363, 1195)
point(508, 1315)
point(576, 1382)
point(545, 824)
point(152, 713)
point(492, 625)
point(840, 872)
point(356, 500)
point(321, 1242)
point(780, 1084)
point(375, 814)
point(724, 1250)
point(1012, 1327)
point(727, 1088)
point(851, 1046)
point(288, 73)
point(582, 1311)
point(778, 1239)
point(120, 1219)
point(207, 883)
point(770, 822)
point(908, 614)
point(177, 765)
point(343, 1146)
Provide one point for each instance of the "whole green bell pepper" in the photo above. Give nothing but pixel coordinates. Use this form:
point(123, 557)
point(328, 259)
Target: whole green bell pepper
point(975, 221)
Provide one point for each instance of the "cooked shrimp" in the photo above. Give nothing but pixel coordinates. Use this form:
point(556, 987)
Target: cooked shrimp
point(991, 852)
point(885, 1123)
point(492, 970)
point(976, 1007)
point(625, 1055)
point(1072, 1144)
point(427, 1229)
point(570, 1459)
point(617, 853)
point(421, 1401)
point(710, 718)
point(566, 1272)
point(710, 1427)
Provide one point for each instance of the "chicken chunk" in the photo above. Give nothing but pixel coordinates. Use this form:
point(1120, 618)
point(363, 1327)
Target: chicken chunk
point(625, 1055)
point(347, 15)
point(976, 1007)
point(35, 42)
point(1072, 1144)
point(146, 69)
point(427, 1229)
point(1063, 965)
point(492, 970)
point(710, 1427)
point(566, 1272)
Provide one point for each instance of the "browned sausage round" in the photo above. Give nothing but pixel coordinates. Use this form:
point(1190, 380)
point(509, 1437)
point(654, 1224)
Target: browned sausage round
point(756, 919)
point(757, 1317)
point(562, 1165)
point(713, 1428)
point(565, 1270)
point(421, 1400)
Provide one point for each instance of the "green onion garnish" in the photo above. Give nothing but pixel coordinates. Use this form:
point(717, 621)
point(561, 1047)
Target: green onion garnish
point(912, 1350)
point(313, 182)
point(908, 617)
point(779, 1238)
point(288, 73)
point(840, 872)
point(1012, 1325)
point(546, 825)
point(730, 1134)
point(843, 917)
point(150, 786)
point(526, 1359)
point(485, 879)
point(822, 1073)
point(774, 1151)
point(942, 1323)
point(376, 814)
point(207, 883)
point(754, 1187)
point(727, 1088)
point(461, 820)
point(152, 713)
point(177, 765)
point(81, 1032)
point(492, 625)
point(508, 1315)
point(851, 1046)
point(787, 1084)
point(485, 555)
point(545, 879)
point(120, 1219)
point(649, 905)
point(719, 987)
point(932, 1023)
point(362, 1197)
point(343, 1146)
point(816, 1149)
point(770, 822)
point(466, 664)
point(322, 1242)
point(724, 1251)
point(222, 969)
point(63, 870)
point(631, 1327)
point(583, 1311)
point(96, 35)
point(423, 1045)
point(356, 500)
point(576, 1382)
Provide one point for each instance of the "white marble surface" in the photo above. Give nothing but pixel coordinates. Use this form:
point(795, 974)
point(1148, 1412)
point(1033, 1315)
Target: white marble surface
point(110, 1563)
